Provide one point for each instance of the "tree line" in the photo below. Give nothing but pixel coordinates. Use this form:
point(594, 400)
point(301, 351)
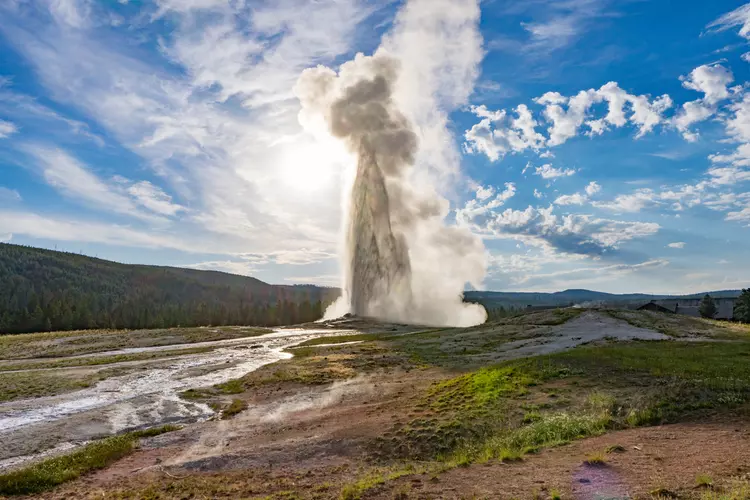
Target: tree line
point(741, 313)
point(43, 290)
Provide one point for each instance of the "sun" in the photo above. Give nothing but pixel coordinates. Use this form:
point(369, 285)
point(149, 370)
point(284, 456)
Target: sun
point(311, 164)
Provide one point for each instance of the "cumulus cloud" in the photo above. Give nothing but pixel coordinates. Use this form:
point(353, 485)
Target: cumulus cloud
point(547, 171)
point(677, 244)
point(496, 135)
point(541, 227)
point(713, 81)
point(590, 190)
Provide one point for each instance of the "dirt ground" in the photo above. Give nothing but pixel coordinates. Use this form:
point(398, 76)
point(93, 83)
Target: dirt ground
point(664, 459)
point(299, 440)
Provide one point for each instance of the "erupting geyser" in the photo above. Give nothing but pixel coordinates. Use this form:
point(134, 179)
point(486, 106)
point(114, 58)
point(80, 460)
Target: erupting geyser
point(378, 266)
point(401, 262)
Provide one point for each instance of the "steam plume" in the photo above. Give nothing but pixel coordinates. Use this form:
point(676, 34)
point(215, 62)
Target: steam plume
point(397, 247)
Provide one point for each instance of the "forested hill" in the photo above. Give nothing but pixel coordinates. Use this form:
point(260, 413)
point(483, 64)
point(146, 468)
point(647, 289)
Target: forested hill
point(42, 290)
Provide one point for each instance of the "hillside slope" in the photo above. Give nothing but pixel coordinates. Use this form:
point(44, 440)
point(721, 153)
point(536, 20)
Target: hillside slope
point(46, 290)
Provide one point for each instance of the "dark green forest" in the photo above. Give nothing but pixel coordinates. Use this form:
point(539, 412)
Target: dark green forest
point(45, 290)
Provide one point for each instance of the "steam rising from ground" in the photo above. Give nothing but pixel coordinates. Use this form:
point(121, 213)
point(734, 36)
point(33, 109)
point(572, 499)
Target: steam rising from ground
point(401, 262)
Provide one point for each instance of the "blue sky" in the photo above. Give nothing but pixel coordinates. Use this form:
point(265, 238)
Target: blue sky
point(590, 143)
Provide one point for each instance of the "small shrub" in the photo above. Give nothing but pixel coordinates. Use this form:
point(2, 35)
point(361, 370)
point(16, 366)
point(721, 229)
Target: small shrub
point(704, 481)
point(616, 448)
point(596, 459)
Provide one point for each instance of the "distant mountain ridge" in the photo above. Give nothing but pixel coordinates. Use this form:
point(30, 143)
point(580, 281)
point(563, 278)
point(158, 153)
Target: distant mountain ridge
point(577, 296)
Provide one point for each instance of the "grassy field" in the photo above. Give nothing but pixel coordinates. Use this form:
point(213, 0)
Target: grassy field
point(62, 344)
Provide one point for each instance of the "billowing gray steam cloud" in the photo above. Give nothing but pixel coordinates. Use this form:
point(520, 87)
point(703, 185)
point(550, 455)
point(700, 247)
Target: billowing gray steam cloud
point(389, 221)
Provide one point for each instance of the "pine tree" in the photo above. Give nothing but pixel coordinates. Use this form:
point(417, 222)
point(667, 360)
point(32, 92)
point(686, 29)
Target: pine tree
point(742, 307)
point(707, 308)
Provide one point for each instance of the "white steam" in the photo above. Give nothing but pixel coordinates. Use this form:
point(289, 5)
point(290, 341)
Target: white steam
point(401, 261)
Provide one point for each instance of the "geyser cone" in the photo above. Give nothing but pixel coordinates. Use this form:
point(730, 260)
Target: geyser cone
point(379, 269)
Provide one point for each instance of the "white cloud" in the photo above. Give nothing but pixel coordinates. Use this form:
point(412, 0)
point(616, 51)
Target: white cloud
point(70, 13)
point(633, 202)
point(82, 230)
point(571, 199)
point(547, 171)
point(482, 204)
point(592, 188)
point(538, 194)
point(712, 80)
point(565, 123)
point(7, 129)
point(5, 238)
point(234, 165)
point(154, 198)
point(9, 195)
point(738, 17)
point(740, 215)
point(74, 180)
point(541, 227)
point(579, 198)
point(563, 278)
point(677, 244)
point(496, 136)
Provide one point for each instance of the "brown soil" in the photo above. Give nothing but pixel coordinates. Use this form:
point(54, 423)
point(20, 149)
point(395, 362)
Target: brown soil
point(667, 457)
point(288, 432)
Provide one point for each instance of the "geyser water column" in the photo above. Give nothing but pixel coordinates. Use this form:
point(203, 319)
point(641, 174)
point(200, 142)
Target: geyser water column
point(400, 261)
point(378, 267)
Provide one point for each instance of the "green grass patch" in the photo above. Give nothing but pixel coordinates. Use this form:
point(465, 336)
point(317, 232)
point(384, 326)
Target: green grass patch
point(508, 409)
point(374, 479)
point(49, 473)
point(235, 407)
point(22, 385)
